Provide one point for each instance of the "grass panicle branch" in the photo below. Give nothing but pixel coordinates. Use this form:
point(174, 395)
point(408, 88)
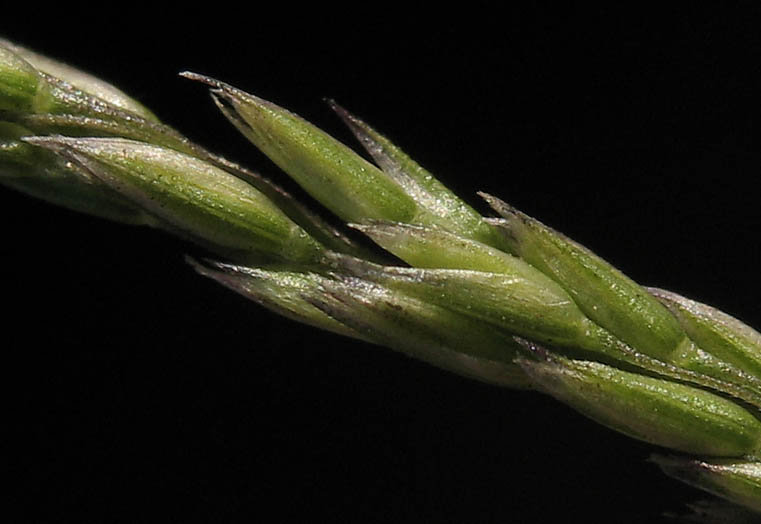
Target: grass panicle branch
point(505, 300)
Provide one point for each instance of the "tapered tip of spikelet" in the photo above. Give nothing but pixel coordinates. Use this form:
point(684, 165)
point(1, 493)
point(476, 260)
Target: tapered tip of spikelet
point(53, 142)
point(211, 82)
point(349, 119)
point(734, 479)
point(63, 146)
point(230, 94)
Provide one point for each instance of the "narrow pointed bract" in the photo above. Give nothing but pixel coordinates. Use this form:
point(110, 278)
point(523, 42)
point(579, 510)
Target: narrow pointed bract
point(423, 330)
point(451, 211)
point(605, 294)
point(613, 300)
point(191, 195)
point(287, 293)
point(736, 480)
point(340, 179)
point(433, 247)
point(79, 80)
point(27, 89)
point(44, 175)
point(657, 411)
point(722, 335)
point(519, 305)
point(370, 312)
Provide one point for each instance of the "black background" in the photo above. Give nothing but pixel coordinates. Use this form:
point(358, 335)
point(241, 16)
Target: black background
point(143, 392)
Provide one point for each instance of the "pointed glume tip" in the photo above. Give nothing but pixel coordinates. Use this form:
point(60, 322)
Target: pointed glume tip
point(204, 79)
